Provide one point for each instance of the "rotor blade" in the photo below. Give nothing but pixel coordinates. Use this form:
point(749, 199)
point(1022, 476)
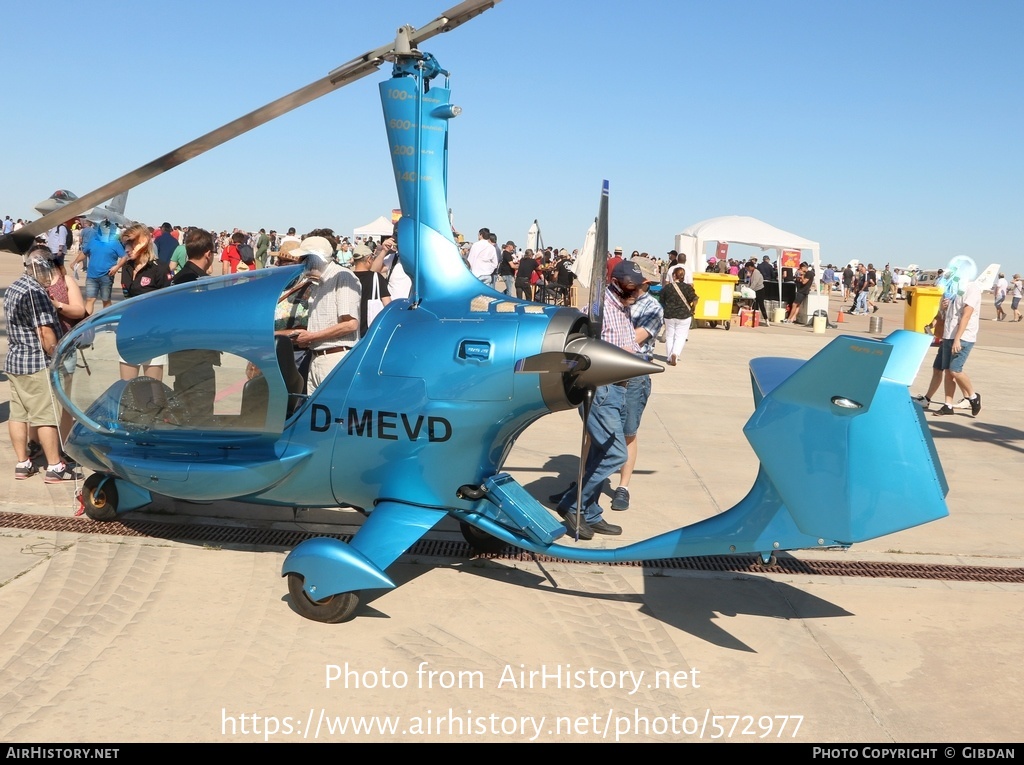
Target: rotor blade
point(599, 269)
point(345, 74)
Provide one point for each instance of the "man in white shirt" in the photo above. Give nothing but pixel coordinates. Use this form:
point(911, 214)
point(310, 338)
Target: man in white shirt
point(960, 316)
point(333, 309)
point(999, 290)
point(57, 240)
point(483, 258)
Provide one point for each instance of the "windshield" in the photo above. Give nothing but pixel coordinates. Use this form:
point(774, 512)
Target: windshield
point(195, 357)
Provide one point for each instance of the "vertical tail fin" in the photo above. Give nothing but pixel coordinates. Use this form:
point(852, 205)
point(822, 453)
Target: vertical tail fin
point(117, 204)
point(848, 451)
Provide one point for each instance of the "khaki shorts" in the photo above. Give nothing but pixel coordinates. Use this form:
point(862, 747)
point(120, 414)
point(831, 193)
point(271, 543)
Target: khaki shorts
point(30, 399)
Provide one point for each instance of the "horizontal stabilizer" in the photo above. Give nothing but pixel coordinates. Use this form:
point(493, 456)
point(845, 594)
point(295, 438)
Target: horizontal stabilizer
point(842, 442)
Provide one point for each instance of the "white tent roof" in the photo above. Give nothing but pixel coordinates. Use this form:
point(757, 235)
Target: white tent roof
point(740, 229)
point(584, 264)
point(380, 227)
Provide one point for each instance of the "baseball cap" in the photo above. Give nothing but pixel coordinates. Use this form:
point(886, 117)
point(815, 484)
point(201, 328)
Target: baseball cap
point(361, 251)
point(628, 271)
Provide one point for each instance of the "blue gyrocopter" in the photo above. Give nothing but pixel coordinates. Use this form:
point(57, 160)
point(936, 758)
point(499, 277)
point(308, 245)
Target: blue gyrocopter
point(417, 420)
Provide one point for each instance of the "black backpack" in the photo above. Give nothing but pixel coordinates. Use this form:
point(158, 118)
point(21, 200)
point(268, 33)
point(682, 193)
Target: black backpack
point(246, 254)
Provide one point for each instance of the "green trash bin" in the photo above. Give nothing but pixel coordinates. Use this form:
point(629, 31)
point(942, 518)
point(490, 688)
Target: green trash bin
point(921, 305)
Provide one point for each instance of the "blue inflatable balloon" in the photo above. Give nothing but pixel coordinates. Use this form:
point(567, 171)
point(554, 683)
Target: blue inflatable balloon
point(960, 272)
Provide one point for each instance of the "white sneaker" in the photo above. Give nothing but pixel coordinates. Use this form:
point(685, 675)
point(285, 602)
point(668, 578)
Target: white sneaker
point(964, 403)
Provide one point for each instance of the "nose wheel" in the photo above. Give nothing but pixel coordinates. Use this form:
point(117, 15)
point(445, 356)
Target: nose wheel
point(333, 609)
point(480, 541)
point(99, 497)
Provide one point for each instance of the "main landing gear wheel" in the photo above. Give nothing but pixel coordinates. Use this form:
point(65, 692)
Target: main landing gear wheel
point(479, 540)
point(333, 609)
point(100, 502)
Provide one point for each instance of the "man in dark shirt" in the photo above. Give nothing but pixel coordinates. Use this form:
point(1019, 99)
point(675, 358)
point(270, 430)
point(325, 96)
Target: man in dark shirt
point(524, 276)
point(195, 381)
point(804, 282)
point(506, 273)
point(199, 249)
point(166, 244)
point(373, 286)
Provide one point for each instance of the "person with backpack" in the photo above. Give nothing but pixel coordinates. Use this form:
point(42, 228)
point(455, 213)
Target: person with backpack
point(246, 254)
point(231, 257)
point(59, 239)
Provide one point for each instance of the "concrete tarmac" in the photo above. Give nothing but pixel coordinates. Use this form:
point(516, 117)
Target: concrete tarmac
point(110, 639)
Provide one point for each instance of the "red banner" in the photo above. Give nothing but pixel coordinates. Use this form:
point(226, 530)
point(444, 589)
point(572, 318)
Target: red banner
point(790, 259)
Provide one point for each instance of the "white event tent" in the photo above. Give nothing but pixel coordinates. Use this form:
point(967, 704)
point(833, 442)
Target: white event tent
point(741, 229)
point(380, 227)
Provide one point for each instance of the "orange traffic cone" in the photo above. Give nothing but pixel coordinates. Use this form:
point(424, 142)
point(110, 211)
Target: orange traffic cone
point(839, 318)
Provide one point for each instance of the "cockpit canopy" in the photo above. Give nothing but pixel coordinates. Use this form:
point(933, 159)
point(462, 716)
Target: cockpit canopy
point(191, 358)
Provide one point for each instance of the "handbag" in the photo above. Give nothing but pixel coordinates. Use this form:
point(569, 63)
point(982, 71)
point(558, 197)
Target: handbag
point(374, 305)
point(683, 298)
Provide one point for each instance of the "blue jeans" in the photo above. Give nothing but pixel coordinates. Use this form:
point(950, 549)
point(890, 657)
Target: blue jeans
point(861, 306)
point(954, 362)
point(99, 287)
point(509, 281)
point(607, 450)
point(638, 390)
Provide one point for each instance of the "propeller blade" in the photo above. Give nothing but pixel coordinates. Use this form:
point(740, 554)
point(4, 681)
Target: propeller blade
point(554, 361)
point(599, 268)
point(588, 401)
point(17, 242)
point(345, 74)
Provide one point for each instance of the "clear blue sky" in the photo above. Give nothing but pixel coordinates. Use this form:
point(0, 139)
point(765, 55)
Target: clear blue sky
point(887, 131)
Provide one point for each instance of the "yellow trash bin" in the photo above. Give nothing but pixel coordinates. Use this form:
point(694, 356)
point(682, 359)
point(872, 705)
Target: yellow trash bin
point(715, 297)
point(920, 306)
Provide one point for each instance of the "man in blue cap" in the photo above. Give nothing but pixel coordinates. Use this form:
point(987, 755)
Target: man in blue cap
point(607, 452)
